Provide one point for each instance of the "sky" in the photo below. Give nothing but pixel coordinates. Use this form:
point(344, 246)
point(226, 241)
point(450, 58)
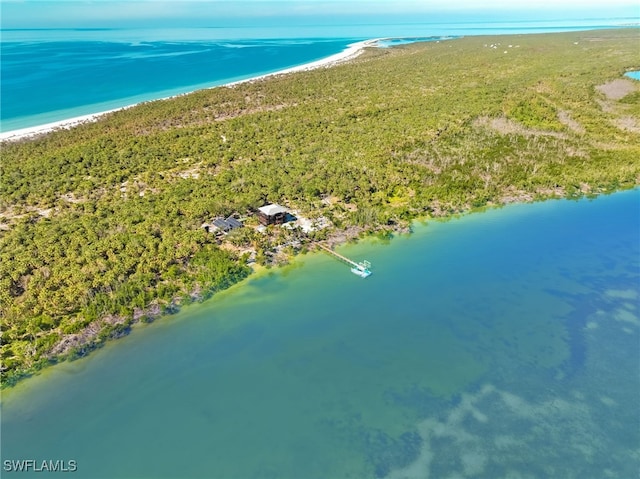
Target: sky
point(206, 13)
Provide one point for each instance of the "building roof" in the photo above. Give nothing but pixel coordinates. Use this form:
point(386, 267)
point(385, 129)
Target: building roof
point(233, 223)
point(272, 209)
point(220, 223)
point(229, 224)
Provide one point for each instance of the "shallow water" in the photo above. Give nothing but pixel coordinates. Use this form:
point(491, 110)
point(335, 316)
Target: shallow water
point(634, 75)
point(46, 81)
point(49, 75)
point(500, 344)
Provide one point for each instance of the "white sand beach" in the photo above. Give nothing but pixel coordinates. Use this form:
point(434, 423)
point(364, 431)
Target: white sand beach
point(349, 53)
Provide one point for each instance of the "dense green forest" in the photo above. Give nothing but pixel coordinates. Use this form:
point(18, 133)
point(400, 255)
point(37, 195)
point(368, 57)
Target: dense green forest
point(100, 224)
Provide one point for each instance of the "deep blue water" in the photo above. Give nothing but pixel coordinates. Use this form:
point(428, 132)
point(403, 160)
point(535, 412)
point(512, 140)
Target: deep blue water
point(56, 74)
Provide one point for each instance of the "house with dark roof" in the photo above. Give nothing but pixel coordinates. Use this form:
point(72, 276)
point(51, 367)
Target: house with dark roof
point(223, 225)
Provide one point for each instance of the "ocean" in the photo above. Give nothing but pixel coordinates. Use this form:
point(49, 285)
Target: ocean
point(502, 343)
point(49, 75)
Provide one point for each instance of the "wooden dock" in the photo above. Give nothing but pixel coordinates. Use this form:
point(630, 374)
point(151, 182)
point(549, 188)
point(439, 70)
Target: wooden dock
point(359, 266)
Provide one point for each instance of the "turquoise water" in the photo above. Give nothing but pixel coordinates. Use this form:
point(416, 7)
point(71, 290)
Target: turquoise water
point(499, 344)
point(52, 80)
point(635, 75)
point(50, 75)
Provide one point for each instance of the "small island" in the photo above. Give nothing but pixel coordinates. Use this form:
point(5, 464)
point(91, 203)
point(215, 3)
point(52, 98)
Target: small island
point(102, 224)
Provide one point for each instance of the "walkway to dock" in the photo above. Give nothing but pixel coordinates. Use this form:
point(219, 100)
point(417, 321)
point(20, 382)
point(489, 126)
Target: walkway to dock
point(340, 257)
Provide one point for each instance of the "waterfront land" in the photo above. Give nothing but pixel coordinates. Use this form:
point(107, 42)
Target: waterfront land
point(101, 223)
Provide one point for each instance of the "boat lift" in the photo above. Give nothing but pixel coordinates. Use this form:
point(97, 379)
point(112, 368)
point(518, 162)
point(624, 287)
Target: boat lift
point(361, 269)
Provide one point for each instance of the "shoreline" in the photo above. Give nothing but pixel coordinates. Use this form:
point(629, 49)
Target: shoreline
point(352, 51)
point(460, 200)
point(93, 337)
